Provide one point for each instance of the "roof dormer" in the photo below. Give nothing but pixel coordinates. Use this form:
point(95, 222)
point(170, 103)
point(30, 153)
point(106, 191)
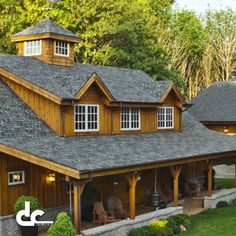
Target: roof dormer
point(47, 42)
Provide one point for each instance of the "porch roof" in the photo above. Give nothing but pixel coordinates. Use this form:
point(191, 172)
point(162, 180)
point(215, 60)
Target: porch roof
point(21, 129)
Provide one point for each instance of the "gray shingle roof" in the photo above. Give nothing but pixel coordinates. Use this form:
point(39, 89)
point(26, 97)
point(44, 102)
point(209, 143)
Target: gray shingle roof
point(22, 129)
point(124, 84)
point(216, 103)
point(44, 27)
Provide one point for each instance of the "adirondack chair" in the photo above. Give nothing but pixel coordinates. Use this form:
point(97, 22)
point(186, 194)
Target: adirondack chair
point(100, 216)
point(164, 194)
point(115, 207)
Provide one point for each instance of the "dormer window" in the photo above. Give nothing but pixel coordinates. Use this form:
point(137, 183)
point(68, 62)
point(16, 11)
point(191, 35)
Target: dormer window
point(33, 48)
point(130, 118)
point(86, 117)
point(62, 48)
point(165, 117)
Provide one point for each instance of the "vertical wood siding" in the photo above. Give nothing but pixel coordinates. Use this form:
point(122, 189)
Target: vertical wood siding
point(47, 110)
point(49, 194)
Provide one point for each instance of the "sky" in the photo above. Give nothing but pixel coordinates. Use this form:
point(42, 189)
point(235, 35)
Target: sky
point(201, 5)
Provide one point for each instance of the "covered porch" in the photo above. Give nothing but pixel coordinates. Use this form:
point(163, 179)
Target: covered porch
point(136, 189)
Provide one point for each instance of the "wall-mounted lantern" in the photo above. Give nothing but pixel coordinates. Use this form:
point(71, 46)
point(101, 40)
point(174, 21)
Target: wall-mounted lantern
point(51, 177)
point(226, 130)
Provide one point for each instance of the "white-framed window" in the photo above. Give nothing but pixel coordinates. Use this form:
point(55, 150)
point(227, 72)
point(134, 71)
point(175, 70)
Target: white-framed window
point(62, 48)
point(33, 47)
point(16, 177)
point(165, 117)
point(129, 118)
point(86, 117)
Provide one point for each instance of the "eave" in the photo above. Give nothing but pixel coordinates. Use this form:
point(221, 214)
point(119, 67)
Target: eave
point(40, 161)
point(30, 86)
point(45, 36)
point(94, 78)
point(219, 122)
point(178, 94)
point(152, 165)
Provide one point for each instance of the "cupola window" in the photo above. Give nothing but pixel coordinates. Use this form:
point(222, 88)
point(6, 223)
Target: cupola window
point(62, 48)
point(33, 47)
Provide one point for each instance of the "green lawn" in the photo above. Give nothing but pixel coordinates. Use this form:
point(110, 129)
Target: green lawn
point(225, 183)
point(214, 222)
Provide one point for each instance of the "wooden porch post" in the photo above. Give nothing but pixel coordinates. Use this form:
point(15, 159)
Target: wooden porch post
point(78, 189)
point(175, 172)
point(132, 180)
point(209, 175)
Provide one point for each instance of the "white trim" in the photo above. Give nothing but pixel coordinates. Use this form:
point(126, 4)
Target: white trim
point(68, 48)
point(86, 118)
point(165, 121)
point(33, 54)
point(130, 120)
point(16, 172)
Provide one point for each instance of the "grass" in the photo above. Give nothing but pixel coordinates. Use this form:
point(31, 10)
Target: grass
point(213, 222)
point(225, 183)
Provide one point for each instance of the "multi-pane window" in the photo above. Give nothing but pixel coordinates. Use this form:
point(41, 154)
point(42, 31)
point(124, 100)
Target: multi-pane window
point(86, 117)
point(130, 118)
point(33, 47)
point(61, 48)
point(16, 177)
point(165, 117)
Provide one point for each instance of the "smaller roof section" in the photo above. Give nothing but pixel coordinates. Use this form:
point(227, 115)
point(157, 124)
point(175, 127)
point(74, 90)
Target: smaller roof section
point(45, 29)
point(216, 103)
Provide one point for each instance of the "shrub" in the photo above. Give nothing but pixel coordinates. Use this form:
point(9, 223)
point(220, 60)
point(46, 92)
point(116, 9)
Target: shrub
point(222, 204)
point(20, 203)
point(142, 231)
point(179, 219)
point(151, 231)
point(187, 223)
point(233, 203)
point(62, 226)
point(164, 232)
point(173, 225)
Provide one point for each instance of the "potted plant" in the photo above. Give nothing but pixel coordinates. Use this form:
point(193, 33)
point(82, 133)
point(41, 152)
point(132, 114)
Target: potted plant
point(34, 205)
point(62, 226)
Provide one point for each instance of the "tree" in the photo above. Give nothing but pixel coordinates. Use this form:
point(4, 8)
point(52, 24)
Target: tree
point(221, 28)
point(184, 42)
point(118, 33)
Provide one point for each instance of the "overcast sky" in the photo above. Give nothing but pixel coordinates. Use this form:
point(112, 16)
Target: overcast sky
point(201, 5)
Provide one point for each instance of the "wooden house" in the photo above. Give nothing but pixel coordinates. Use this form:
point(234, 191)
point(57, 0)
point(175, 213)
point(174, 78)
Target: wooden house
point(100, 129)
point(220, 100)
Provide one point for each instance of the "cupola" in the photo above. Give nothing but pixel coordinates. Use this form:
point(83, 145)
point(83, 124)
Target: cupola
point(47, 42)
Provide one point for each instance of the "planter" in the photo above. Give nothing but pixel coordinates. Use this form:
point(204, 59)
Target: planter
point(29, 230)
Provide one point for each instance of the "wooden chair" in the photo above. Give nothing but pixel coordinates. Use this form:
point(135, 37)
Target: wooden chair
point(100, 216)
point(116, 208)
point(164, 195)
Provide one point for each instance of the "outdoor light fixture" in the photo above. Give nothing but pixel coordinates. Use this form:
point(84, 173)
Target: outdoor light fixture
point(51, 177)
point(226, 129)
point(16, 177)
